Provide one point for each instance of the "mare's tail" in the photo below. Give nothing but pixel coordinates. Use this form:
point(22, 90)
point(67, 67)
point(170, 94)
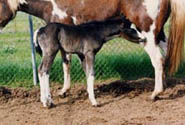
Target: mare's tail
point(176, 36)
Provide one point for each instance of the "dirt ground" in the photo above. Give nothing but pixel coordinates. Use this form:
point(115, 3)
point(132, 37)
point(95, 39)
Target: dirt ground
point(121, 103)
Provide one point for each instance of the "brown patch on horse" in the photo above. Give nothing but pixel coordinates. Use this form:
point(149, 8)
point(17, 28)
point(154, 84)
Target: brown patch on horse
point(161, 20)
point(176, 36)
point(89, 10)
point(6, 14)
point(14, 4)
point(136, 13)
point(39, 8)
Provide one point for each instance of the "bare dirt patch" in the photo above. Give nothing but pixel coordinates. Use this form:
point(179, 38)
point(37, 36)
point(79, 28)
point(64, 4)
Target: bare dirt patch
point(121, 103)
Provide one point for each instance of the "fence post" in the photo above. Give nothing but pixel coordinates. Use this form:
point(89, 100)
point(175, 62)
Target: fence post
point(34, 67)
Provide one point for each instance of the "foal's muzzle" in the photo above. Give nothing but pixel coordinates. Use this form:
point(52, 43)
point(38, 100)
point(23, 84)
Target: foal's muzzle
point(131, 35)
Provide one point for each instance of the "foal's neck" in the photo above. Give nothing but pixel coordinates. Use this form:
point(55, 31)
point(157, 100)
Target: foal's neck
point(111, 32)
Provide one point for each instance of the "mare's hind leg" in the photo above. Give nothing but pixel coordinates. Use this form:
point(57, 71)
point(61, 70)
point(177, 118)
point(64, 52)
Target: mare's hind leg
point(66, 69)
point(43, 71)
point(153, 51)
point(89, 58)
point(163, 41)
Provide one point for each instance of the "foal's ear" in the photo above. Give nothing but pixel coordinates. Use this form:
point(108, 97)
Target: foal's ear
point(123, 18)
point(123, 23)
point(122, 26)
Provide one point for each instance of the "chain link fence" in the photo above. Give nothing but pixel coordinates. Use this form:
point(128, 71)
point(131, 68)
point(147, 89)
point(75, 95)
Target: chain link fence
point(118, 59)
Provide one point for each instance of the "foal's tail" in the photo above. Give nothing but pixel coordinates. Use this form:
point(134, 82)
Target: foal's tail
point(176, 35)
point(36, 44)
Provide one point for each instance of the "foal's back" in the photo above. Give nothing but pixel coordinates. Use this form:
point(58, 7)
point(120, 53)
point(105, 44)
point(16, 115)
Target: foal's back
point(80, 38)
point(88, 36)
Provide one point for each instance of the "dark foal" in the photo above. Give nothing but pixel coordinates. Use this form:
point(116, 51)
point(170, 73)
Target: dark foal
point(85, 40)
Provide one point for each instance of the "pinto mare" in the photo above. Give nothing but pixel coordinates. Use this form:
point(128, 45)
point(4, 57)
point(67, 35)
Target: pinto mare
point(148, 16)
point(85, 40)
point(67, 12)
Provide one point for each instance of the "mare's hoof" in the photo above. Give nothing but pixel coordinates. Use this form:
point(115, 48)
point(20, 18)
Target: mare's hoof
point(97, 105)
point(153, 99)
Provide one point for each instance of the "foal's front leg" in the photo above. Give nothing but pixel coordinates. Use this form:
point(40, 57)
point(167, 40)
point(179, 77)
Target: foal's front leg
point(43, 73)
point(66, 69)
point(89, 58)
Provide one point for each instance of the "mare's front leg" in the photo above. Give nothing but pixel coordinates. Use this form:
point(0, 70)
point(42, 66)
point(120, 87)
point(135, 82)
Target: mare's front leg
point(157, 60)
point(43, 72)
point(66, 69)
point(89, 58)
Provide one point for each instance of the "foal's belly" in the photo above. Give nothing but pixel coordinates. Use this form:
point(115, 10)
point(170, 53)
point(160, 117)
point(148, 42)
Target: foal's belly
point(72, 46)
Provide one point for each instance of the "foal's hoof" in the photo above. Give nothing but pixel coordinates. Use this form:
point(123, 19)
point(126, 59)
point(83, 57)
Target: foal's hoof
point(48, 105)
point(96, 105)
point(51, 105)
point(63, 95)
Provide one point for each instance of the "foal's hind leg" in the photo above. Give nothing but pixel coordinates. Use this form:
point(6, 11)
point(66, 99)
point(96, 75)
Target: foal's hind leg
point(66, 69)
point(43, 72)
point(89, 58)
point(83, 63)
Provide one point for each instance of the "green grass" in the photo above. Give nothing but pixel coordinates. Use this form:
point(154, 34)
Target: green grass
point(118, 59)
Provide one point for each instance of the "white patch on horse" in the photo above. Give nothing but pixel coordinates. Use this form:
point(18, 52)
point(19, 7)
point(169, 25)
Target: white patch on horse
point(163, 46)
point(139, 34)
point(44, 89)
point(57, 11)
point(35, 37)
point(74, 20)
point(67, 78)
point(90, 89)
point(14, 4)
point(82, 2)
point(153, 51)
point(152, 7)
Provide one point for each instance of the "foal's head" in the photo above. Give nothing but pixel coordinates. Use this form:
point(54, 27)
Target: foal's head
point(114, 26)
